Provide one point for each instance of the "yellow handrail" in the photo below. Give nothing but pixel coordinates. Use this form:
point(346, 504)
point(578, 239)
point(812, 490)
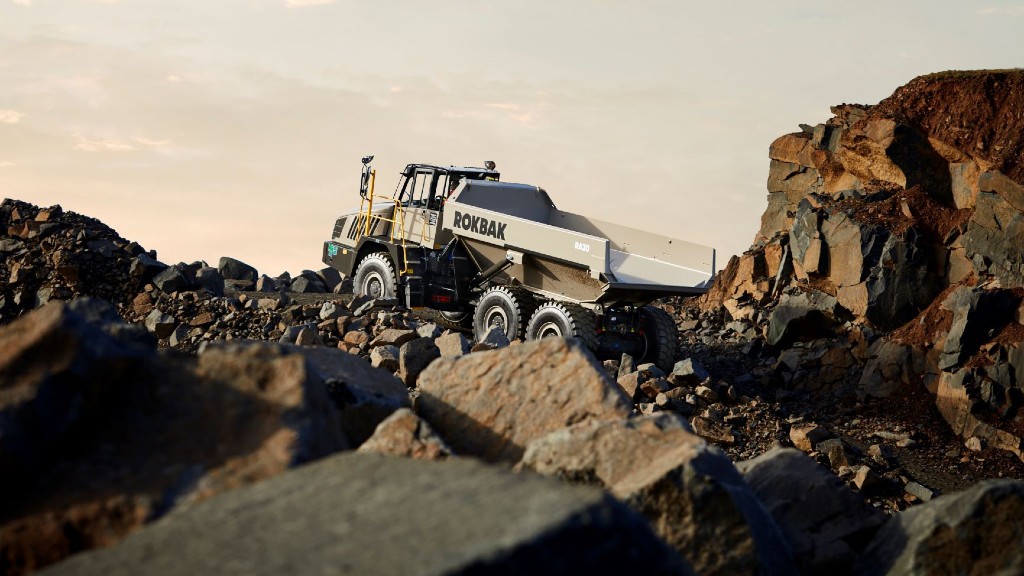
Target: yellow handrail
point(398, 217)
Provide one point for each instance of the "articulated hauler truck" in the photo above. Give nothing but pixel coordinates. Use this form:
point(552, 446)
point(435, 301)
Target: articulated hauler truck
point(487, 253)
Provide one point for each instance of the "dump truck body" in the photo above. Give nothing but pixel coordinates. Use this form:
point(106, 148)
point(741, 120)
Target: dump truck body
point(569, 255)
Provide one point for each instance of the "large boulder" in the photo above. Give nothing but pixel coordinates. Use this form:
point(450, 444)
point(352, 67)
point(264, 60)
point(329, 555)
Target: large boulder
point(100, 436)
point(690, 492)
point(60, 373)
point(364, 396)
point(826, 524)
point(171, 280)
point(977, 531)
point(492, 404)
point(209, 279)
point(374, 514)
point(232, 269)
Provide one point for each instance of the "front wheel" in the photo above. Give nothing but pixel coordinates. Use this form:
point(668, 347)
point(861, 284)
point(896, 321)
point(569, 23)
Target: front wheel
point(375, 277)
point(660, 336)
point(563, 320)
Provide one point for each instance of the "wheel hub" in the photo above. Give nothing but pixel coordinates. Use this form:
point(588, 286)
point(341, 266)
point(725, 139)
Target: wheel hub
point(373, 285)
point(549, 330)
point(496, 317)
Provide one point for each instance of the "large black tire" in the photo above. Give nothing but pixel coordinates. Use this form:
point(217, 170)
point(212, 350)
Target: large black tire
point(462, 320)
point(503, 306)
point(661, 337)
point(375, 277)
point(563, 320)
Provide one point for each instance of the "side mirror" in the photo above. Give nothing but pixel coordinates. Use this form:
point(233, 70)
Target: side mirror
point(364, 180)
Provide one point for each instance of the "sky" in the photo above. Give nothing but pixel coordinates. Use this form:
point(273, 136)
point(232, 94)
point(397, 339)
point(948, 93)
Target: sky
point(209, 128)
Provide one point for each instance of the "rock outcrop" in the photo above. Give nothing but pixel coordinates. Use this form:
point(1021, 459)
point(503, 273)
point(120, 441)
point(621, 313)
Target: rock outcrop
point(893, 233)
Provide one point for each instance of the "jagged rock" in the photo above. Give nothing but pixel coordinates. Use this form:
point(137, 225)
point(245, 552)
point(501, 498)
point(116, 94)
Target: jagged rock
point(385, 357)
point(492, 404)
point(209, 279)
point(160, 324)
point(494, 338)
point(713, 431)
point(129, 435)
point(178, 337)
point(291, 333)
point(803, 315)
point(996, 230)
point(363, 395)
point(826, 524)
point(171, 280)
point(393, 337)
point(976, 531)
point(145, 268)
point(266, 284)
point(330, 278)
point(918, 491)
point(452, 344)
point(689, 491)
point(306, 285)
point(688, 372)
point(331, 311)
point(976, 313)
point(428, 330)
point(414, 356)
point(455, 517)
point(59, 372)
point(232, 269)
point(961, 411)
point(879, 275)
point(406, 434)
point(309, 336)
point(806, 436)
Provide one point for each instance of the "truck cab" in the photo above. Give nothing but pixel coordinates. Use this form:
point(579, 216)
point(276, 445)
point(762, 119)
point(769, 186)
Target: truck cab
point(422, 191)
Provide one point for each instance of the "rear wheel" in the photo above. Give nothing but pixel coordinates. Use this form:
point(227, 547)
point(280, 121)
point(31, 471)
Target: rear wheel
point(461, 320)
point(660, 336)
point(505, 307)
point(563, 320)
point(375, 277)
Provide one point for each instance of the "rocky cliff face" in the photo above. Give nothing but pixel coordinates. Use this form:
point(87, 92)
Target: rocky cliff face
point(893, 240)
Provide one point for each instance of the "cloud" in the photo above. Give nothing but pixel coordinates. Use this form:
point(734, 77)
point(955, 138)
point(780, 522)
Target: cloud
point(10, 116)
point(1007, 11)
point(173, 79)
point(102, 145)
point(7, 164)
point(514, 111)
point(149, 142)
point(23, 2)
point(304, 3)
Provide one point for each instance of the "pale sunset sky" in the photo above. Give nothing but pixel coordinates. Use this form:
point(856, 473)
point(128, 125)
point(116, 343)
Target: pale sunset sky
point(203, 128)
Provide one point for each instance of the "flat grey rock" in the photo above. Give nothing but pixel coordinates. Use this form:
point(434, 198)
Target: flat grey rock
point(359, 513)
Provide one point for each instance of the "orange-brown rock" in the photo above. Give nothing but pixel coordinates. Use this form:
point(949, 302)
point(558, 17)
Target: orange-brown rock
point(492, 404)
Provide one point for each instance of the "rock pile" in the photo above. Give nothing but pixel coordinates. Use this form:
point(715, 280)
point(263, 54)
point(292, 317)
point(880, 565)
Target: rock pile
point(48, 254)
